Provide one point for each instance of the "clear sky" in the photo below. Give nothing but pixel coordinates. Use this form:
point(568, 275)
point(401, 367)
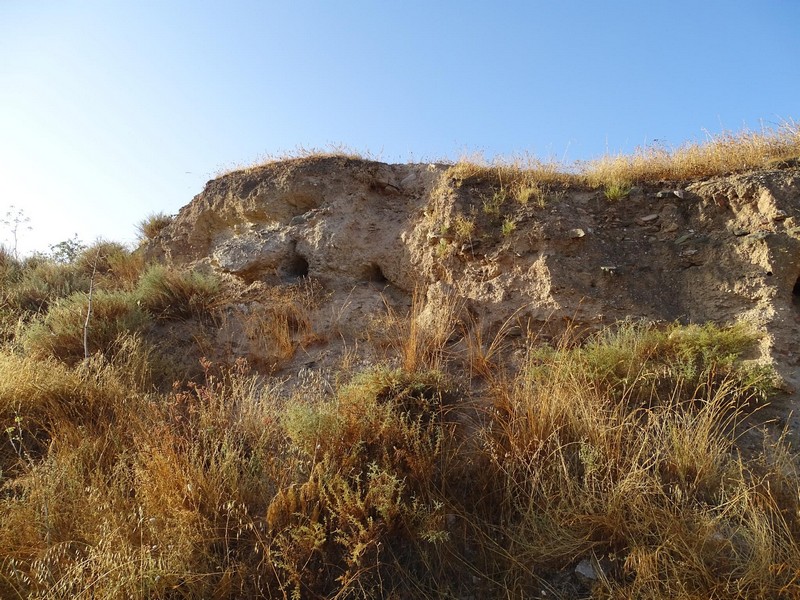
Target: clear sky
point(111, 110)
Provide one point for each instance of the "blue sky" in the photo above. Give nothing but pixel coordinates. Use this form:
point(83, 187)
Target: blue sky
point(113, 110)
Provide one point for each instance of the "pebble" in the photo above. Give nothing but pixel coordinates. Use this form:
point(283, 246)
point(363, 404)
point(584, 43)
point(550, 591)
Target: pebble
point(585, 569)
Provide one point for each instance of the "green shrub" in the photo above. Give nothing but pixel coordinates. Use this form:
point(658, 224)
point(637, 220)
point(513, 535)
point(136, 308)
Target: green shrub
point(639, 359)
point(169, 293)
point(42, 282)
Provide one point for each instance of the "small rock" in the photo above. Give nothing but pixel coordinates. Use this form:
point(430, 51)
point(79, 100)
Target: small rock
point(649, 218)
point(408, 180)
point(671, 228)
point(780, 216)
point(667, 193)
point(576, 233)
point(682, 239)
point(611, 270)
point(740, 231)
point(585, 569)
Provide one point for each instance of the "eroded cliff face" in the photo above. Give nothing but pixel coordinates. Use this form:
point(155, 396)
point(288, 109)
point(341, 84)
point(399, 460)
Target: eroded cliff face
point(370, 235)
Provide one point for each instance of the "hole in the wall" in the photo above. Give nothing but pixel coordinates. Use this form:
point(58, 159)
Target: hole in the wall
point(297, 266)
point(796, 292)
point(374, 274)
point(769, 273)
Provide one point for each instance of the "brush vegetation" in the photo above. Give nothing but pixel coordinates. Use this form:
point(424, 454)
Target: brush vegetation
point(162, 467)
point(392, 481)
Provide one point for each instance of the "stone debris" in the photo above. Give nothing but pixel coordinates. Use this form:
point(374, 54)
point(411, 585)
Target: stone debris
point(669, 193)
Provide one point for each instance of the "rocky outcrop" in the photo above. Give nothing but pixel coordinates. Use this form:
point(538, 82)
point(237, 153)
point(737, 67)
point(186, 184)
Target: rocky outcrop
point(371, 234)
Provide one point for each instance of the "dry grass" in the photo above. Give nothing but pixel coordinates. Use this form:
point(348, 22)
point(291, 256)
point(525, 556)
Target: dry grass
point(170, 293)
point(152, 225)
point(420, 337)
point(297, 155)
point(718, 155)
point(657, 494)
point(527, 179)
point(273, 325)
point(618, 449)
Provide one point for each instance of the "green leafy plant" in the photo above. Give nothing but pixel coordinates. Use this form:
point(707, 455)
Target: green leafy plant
point(67, 250)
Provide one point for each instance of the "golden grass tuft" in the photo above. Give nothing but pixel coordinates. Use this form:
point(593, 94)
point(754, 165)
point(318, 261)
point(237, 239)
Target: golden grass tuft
point(153, 224)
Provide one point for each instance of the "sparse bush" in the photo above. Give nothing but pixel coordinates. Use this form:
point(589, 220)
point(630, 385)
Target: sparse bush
point(67, 250)
point(153, 224)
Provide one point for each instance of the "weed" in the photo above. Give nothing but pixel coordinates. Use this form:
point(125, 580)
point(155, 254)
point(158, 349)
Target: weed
point(617, 190)
point(491, 208)
point(526, 193)
point(15, 220)
point(443, 249)
point(508, 227)
point(464, 228)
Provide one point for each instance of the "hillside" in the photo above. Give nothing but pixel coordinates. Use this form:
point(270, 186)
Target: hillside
point(528, 258)
point(331, 377)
